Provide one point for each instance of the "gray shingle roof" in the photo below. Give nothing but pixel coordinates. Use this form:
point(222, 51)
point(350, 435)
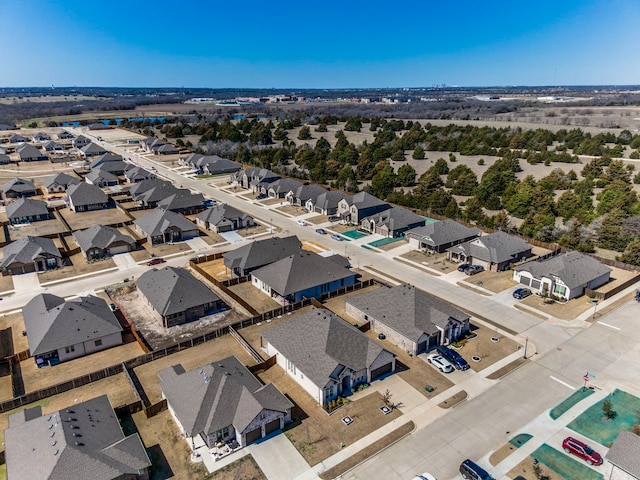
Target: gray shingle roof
point(99, 176)
point(182, 199)
point(396, 218)
point(221, 213)
point(145, 185)
point(283, 186)
point(442, 233)
point(90, 445)
point(217, 395)
point(92, 148)
point(4, 159)
point(330, 200)
point(172, 290)
point(52, 323)
point(18, 185)
point(159, 220)
point(305, 192)
point(316, 342)
point(497, 247)
point(301, 271)
point(60, 179)
point(573, 268)
point(29, 151)
point(101, 237)
point(86, 194)
point(107, 157)
point(625, 453)
point(365, 200)
point(261, 252)
point(216, 165)
point(26, 207)
point(27, 249)
point(407, 310)
point(116, 167)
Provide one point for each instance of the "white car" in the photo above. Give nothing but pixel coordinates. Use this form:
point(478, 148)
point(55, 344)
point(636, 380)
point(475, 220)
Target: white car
point(302, 223)
point(440, 363)
point(424, 476)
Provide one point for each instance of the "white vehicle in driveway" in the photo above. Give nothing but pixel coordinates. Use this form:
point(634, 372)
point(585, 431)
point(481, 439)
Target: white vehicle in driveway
point(424, 476)
point(302, 223)
point(440, 363)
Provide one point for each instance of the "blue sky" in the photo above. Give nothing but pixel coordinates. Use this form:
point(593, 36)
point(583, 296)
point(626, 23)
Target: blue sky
point(328, 44)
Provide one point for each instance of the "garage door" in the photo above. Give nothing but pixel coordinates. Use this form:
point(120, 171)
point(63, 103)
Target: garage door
point(119, 249)
point(272, 426)
point(525, 280)
point(378, 372)
point(535, 284)
point(422, 346)
point(254, 435)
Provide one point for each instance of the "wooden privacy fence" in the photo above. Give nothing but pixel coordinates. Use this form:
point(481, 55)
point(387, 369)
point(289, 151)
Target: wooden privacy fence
point(265, 365)
point(244, 344)
point(156, 408)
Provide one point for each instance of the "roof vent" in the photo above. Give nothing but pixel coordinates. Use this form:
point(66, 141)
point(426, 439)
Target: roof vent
point(56, 452)
point(79, 444)
point(53, 444)
point(76, 434)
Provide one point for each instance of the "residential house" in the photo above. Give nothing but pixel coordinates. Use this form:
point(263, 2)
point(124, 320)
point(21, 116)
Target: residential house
point(253, 178)
point(214, 165)
point(29, 153)
point(149, 193)
point(190, 160)
point(495, 252)
point(623, 458)
point(327, 202)
point(300, 195)
point(223, 218)
point(26, 210)
point(4, 159)
point(326, 355)
point(64, 135)
point(153, 145)
point(60, 330)
point(280, 187)
point(100, 241)
point(565, 276)
point(100, 178)
point(182, 200)
point(304, 274)
point(223, 402)
point(15, 138)
point(392, 222)
point(92, 150)
point(436, 237)
point(141, 187)
point(244, 260)
point(360, 206)
point(52, 146)
point(411, 319)
point(115, 167)
point(41, 137)
point(99, 126)
point(107, 157)
point(30, 254)
point(164, 149)
point(164, 226)
point(84, 440)
point(176, 297)
point(80, 142)
point(135, 174)
point(19, 187)
point(59, 182)
point(84, 197)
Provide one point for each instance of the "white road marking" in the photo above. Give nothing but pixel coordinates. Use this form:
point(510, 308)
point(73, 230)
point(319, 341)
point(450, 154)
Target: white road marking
point(561, 382)
point(610, 326)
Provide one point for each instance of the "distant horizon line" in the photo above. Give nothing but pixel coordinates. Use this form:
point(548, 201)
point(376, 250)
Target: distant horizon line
point(432, 87)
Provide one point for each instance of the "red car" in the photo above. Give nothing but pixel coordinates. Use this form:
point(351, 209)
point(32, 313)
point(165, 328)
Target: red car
point(155, 261)
point(582, 450)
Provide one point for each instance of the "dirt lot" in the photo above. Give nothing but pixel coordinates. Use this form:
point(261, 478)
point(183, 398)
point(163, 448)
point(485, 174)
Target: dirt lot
point(145, 321)
point(292, 210)
point(79, 266)
point(15, 322)
point(257, 229)
point(36, 378)
point(82, 220)
point(257, 299)
point(167, 248)
point(44, 228)
point(317, 435)
point(191, 358)
point(116, 387)
point(246, 468)
point(170, 453)
point(525, 469)
point(493, 281)
point(216, 269)
point(482, 346)
point(6, 283)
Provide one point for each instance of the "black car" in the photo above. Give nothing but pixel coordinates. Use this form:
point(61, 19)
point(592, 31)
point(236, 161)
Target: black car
point(520, 293)
point(454, 358)
point(463, 267)
point(472, 471)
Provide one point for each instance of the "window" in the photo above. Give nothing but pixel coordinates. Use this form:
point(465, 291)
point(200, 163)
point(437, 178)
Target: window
point(98, 342)
point(560, 290)
point(70, 349)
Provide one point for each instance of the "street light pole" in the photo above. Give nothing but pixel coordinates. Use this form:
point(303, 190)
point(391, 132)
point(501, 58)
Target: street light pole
point(526, 343)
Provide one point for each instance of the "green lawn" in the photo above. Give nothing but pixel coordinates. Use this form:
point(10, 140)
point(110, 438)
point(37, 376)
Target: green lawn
point(354, 234)
point(592, 424)
point(385, 241)
point(520, 439)
point(564, 465)
point(569, 402)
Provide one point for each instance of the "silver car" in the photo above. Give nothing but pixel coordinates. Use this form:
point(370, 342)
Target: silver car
point(440, 363)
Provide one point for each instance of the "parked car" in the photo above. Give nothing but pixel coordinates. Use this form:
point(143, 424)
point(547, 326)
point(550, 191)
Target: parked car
point(424, 476)
point(473, 269)
point(454, 357)
point(156, 261)
point(321, 231)
point(337, 237)
point(440, 363)
point(302, 223)
point(463, 267)
point(261, 196)
point(472, 471)
point(210, 203)
point(582, 450)
point(333, 218)
point(521, 293)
